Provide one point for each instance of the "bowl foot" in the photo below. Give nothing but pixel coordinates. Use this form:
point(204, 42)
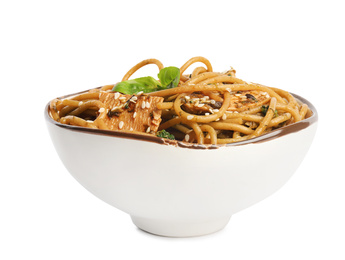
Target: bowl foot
point(179, 228)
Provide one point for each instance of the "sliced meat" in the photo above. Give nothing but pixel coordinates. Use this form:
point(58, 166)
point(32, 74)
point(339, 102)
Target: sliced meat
point(200, 104)
point(244, 100)
point(130, 112)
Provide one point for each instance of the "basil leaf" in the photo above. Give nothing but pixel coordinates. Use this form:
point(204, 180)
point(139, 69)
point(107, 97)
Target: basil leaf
point(133, 86)
point(169, 77)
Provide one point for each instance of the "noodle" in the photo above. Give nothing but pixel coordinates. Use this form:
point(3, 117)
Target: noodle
point(206, 107)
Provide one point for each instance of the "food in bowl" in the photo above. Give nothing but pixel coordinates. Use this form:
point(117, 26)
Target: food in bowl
point(116, 141)
point(203, 107)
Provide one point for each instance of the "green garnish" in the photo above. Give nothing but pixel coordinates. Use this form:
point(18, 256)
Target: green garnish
point(165, 134)
point(133, 86)
point(264, 110)
point(169, 78)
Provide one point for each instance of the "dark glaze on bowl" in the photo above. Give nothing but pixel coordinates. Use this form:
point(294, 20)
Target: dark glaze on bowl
point(313, 118)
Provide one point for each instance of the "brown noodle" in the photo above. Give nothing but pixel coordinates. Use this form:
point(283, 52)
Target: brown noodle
point(239, 115)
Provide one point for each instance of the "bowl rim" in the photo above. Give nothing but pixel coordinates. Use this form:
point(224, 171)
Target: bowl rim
point(286, 130)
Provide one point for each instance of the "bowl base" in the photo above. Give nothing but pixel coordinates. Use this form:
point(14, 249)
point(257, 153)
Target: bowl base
point(178, 228)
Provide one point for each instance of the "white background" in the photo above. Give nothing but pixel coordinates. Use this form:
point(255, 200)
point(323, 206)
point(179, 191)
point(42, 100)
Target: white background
point(53, 48)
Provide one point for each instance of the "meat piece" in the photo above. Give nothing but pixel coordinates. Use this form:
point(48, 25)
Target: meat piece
point(130, 112)
point(245, 100)
point(200, 104)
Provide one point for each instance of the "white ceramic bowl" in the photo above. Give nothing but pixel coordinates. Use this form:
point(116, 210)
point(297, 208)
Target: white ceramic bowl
point(172, 189)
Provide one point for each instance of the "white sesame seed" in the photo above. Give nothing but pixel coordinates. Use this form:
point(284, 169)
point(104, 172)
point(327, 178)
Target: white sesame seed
point(116, 95)
point(186, 137)
point(131, 129)
point(238, 95)
point(187, 97)
point(121, 124)
point(236, 112)
point(190, 117)
point(143, 105)
point(224, 116)
point(140, 92)
point(101, 110)
point(134, 114)
point(122, 98)
point(200, 105)
point(147, 104)
point(213, 101)
point(148, 130)
point(80, 103)
point(134, 98)
point(207, 114)
point(215, 110)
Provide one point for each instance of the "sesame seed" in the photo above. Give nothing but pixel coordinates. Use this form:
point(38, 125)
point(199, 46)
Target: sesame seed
point(200, 105)
point(238, 95)
point(143, 105)
point(131, 129)
point(122, 98)
point(101, 110)
point(187, 97)
point(116, 95)
point(148, 130)
point(215, 110)
point(190, 117)
point(140, 92)
point(134, 114)
point(134, 98)
point(147, 104)
point(186, 137)
point(80, 103)
point(213, 101)
point(121, 124)
point(207, 114)
point(224, 116)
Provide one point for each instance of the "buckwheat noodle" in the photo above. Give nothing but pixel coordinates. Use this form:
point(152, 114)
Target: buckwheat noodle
point(206, 107)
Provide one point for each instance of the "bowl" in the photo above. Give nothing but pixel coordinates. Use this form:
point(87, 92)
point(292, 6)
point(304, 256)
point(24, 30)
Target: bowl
point(174, 189)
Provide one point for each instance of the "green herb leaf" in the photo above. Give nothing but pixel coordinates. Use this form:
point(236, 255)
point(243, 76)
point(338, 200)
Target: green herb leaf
point(169, 77)
point(133, 86)
point(264, 110)
point(165, 134)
